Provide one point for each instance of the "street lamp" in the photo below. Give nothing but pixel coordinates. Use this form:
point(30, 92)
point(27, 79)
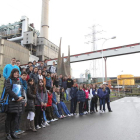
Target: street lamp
point(105, 39)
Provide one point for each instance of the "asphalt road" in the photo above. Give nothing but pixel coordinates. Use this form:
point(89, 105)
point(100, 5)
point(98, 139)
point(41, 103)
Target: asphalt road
point(122, 124)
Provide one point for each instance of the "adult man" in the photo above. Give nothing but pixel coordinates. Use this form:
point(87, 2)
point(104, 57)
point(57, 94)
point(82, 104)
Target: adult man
point(69, 85)
point(9, 67)
point(52, 68)
point(108, 97)
point(18, 64)
point(41, 66)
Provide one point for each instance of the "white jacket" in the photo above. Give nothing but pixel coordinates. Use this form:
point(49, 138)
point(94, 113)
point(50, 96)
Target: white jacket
point(90, 94)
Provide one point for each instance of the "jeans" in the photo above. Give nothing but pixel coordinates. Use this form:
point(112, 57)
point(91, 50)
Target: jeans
point(44, 116)
point(67, 96)
point(73, 105)
point(80, 107)
point(10, 123)
point(102, 102)
point(59, 108)
point(68, 90)
point(86, 105)
point(49, 112)
point(17, 121)
point(64, 107)
point(55, 110)
point(108, 102)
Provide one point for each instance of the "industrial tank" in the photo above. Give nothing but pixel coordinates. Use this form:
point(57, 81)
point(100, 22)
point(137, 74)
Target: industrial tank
point(125, 79)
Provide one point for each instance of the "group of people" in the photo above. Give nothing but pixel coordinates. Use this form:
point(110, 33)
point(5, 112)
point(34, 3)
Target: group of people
point(41, 93)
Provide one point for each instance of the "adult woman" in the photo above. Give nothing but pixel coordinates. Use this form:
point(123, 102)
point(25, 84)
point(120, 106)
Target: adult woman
point(15, 96)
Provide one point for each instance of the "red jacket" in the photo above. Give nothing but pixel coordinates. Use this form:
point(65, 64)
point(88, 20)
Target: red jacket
point(49, 100)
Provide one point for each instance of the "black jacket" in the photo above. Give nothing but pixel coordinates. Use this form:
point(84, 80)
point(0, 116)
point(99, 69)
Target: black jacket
point(30, 99)
point(35, 77)
point(62, 98)
point(14, 106)
point(56, 82)
point(69, 83)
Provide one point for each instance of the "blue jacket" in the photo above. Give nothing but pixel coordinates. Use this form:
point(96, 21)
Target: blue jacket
point(54, 98)
point(24, 84)
point(48, 81)
point(81, 96)
point(93, 92)
point(102, 94)
point(7, 70)
point(73, 92)
point(35, 77)
point(64, 84)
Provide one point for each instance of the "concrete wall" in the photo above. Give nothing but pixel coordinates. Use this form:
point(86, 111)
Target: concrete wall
point(9, 50)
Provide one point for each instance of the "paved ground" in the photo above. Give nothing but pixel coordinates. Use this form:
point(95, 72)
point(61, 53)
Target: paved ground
point(122, 124)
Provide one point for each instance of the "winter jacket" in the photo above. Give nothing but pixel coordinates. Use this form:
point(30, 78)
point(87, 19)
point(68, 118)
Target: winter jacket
point(48, 82)
point(94, 93)
point(41, 97)
point(73, 92)
point(87, 94)
point(50, 96)
point(81, 96)
point(64, 84)
point(57, 97)
point(52, 69)
point(60, 82)
point(102, 94)
point(7, 70)
point(56, 83)
point(54, 98)
point(14, 106)
point(35, 77)
point(62, 98)
point(40, 67)
point(108, 92)
point(30, 99)
point(69, 83)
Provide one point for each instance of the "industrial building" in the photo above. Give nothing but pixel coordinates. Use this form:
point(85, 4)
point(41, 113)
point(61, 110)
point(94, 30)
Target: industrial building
point(25, 34)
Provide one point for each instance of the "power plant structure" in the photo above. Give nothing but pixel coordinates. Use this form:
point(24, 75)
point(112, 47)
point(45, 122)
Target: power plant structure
point(26, 35)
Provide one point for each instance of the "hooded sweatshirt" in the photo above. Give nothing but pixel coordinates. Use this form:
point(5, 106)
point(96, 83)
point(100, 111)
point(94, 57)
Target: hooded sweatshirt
point(102, 94)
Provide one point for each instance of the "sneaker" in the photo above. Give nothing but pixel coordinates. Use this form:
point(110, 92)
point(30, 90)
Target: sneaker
point(61, 117)
point(64, 116)
point(100, 111)
point(16, 132)
point(46, 123)
point(81, 114)
point(55, 119)
point(75, 114)
point(110, 111)
point(42, 125)
point(52, 120)
point(38, 127)
point(20, 132)
point(69, 115)
point(103, 111)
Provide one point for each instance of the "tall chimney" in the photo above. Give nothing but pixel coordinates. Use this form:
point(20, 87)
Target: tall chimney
point(44, 19)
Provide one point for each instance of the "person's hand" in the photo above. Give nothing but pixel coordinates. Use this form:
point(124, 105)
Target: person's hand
point(45, 104)
point(19, 99)
point(42, 104)
point(56, 103)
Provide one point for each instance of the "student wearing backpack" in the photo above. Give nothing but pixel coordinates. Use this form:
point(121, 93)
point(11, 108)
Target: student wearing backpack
point(14, 103)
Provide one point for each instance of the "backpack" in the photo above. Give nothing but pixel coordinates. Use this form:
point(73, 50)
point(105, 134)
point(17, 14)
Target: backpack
point(4, 101)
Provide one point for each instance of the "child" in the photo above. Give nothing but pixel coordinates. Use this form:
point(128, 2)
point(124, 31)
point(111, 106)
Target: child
point(41, 102)
point(44, 77)
point(49, 109)
point(63, 105)
point(31, 96)
point(94, 99)
point(58, 102)
point(14, 107)
point(54, 104)
point(24, 101)
point(48, 82)
point(34, 75)
point(87, 98)
point(102, 95)
point(40, 74)
point(56, 81)
point(73, 100)
point(81, 99)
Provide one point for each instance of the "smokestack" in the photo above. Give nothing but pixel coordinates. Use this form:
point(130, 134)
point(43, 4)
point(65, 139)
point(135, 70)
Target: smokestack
point(45, 19)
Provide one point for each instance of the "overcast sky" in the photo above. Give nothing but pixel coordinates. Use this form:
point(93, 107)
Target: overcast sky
point(71, 19)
